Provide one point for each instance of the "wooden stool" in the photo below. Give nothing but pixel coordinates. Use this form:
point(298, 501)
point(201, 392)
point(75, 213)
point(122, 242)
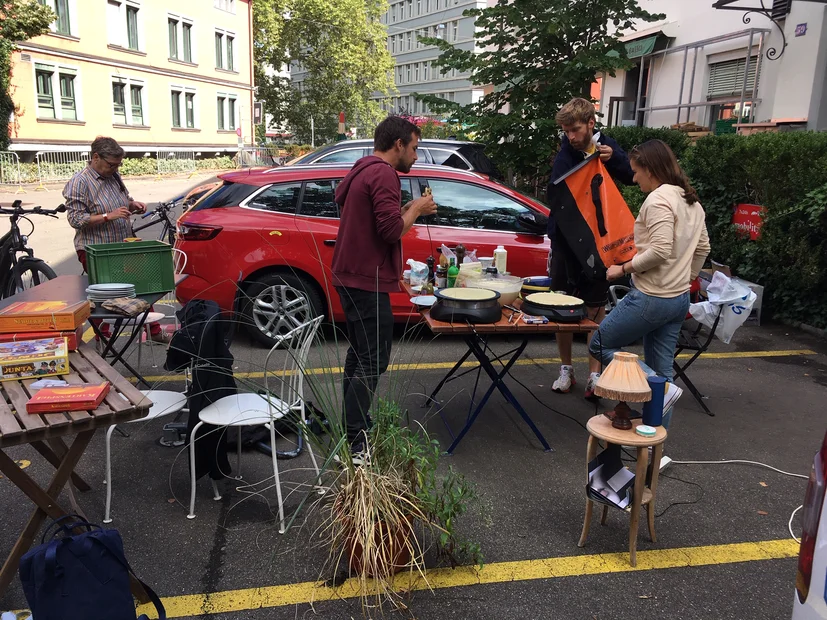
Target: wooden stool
point(600, 427)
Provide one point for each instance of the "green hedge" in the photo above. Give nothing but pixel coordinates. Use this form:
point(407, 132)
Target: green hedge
point(629, 137)
point(787, 174)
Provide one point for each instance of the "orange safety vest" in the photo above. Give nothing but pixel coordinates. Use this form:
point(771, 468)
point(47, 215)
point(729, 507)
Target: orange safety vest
point(593, 217)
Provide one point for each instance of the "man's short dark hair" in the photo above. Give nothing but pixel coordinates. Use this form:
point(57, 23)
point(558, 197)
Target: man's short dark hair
point(106, 147)
point(392, 129)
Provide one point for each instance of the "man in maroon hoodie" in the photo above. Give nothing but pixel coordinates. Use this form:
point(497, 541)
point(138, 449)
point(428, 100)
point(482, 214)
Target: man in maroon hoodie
point(367, 262)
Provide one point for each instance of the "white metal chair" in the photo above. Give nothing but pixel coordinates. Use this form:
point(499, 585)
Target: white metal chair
point(251, 409)
point(163, 403)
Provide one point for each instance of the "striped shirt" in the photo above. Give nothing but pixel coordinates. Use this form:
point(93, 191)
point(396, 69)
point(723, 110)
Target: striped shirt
point(88, 193)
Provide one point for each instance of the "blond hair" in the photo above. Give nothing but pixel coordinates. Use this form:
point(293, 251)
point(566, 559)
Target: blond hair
point(578, 110)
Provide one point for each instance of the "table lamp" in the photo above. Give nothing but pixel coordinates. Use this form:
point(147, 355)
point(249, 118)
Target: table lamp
point(623, 380)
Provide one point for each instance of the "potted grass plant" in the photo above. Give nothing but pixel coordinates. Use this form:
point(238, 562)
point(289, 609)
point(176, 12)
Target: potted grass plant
point(382, 517)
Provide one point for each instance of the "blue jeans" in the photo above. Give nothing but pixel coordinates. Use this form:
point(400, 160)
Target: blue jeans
point(657, 320)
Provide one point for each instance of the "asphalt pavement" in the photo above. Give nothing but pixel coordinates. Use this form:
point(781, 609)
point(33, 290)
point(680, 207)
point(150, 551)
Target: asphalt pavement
point(723, 548)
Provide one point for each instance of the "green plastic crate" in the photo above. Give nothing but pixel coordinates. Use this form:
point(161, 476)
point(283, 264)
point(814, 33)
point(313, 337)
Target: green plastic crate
point(146, 264)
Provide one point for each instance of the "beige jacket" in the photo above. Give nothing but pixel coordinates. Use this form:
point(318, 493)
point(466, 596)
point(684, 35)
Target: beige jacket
point(672, 243)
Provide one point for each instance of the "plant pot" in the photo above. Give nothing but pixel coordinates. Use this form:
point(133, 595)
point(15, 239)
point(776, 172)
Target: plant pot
point(393, 550)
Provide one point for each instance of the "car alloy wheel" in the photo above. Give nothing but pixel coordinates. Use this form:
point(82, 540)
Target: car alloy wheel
point(280, 308)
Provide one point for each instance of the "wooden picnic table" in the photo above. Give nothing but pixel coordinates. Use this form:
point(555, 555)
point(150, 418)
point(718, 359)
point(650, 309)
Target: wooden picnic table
point(476, 337)
point(46, 433)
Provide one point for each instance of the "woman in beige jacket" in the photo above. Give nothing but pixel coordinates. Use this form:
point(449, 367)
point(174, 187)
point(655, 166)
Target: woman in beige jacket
point(672, 244)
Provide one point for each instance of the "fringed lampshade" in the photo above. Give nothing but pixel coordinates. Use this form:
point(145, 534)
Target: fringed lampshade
point(623, 380)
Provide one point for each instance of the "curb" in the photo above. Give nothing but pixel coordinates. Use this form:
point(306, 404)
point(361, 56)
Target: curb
point(813, 331)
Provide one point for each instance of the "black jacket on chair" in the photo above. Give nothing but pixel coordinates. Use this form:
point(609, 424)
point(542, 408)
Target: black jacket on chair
point(202, 342)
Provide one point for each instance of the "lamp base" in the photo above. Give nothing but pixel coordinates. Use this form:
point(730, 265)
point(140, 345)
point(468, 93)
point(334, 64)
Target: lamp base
point(620, 416)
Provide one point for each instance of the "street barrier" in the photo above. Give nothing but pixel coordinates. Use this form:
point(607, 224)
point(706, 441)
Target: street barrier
point(10, 171)
point(174, 162)
point(59, 166)
point(249, 157)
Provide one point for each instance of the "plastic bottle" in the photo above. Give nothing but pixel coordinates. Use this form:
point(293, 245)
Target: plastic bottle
point(453, 272)
point(500, 257)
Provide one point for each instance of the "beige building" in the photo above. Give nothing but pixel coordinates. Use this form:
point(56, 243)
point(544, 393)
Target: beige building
point(153, 74)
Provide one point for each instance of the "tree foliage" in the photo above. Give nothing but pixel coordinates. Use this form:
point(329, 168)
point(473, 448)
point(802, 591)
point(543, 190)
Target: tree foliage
point(537, 55)
point(19, 20)
point(342, 46)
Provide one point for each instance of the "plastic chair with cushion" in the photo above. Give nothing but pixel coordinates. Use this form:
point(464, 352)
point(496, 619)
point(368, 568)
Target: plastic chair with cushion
point(163, 403)
point(253, 409)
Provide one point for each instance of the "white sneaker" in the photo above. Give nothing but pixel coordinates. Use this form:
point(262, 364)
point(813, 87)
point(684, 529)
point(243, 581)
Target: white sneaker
point(589, 394)
point(565, 380)
point(670, 396)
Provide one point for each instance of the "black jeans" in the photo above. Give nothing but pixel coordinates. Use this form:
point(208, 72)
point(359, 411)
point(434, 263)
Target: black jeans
point(370, 333)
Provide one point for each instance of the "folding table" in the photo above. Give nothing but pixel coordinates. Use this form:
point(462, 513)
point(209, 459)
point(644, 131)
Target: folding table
point(476, 337)
point(73, 289)
point(46, 432)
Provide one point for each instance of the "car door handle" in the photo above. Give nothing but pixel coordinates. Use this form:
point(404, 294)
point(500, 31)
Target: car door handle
point(330, 242)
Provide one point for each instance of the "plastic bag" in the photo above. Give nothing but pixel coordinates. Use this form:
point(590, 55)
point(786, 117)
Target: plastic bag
point(446, 254)
point(737, 301)
point(419, 272)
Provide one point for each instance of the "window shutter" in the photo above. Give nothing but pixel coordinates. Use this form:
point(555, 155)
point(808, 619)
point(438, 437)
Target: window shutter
point(780, 8)
point(727, 78)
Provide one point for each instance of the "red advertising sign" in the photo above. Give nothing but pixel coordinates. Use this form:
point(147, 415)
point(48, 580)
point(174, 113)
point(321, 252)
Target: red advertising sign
point(748, 219)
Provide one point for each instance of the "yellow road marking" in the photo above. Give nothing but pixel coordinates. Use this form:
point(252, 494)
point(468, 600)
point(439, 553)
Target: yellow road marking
point(543, 361)
point(500, 572)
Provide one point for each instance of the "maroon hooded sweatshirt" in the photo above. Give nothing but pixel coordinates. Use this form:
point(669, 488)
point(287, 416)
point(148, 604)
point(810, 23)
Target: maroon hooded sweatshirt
point(368, 252)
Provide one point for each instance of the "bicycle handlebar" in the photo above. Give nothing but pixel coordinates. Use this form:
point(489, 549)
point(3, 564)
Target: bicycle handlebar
point(17, 209)
point(161, 208)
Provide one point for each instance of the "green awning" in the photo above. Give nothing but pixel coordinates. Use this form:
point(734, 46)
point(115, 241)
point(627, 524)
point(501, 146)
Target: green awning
point(639, 47)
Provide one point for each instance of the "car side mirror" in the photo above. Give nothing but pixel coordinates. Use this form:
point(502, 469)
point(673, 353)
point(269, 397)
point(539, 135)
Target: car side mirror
point(533, 223)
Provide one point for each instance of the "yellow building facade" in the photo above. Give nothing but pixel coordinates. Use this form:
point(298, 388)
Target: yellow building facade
point(153, 74)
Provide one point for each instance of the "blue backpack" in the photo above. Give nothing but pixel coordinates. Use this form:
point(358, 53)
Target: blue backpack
point(80, 576)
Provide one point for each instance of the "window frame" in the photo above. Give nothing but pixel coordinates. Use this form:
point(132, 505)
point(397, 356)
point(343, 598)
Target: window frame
point(184, 92)
point(57, 71)
point(118, 32)
point(129, 117)
point(70, 16)
point(225, 50)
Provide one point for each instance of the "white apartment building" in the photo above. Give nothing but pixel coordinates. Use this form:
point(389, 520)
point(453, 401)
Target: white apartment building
point(706, 64)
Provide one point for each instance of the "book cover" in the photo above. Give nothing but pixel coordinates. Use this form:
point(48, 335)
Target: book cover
point(33, 358)
point(33, 316)
point(68, 398)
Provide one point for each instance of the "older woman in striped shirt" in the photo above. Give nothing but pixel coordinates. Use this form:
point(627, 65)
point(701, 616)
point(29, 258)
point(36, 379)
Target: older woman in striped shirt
point(98, 205)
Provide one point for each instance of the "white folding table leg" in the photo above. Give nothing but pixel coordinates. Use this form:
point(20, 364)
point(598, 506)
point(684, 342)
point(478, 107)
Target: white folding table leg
point(109, 431)
point(191, 515)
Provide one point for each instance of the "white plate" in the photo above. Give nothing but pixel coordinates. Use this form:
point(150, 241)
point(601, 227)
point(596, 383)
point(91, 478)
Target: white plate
point(111, 286)
point(423, 300)
point(418, 288)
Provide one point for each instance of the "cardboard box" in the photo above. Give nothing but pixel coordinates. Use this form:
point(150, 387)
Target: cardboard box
point(73, 339)
point(35, 316)
point(82, 397)
point(26, 359)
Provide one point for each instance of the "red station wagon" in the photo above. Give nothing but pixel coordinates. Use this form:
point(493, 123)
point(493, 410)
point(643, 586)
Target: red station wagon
point(269, 235)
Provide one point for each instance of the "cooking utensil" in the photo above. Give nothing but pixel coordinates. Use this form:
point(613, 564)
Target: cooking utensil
point(472, 305)
point(556, 307)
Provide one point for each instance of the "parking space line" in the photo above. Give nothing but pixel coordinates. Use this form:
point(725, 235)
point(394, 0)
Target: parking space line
point(543, 361)
point(500, 572)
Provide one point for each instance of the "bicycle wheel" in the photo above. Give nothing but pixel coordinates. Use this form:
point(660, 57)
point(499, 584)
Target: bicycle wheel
point(31, 272)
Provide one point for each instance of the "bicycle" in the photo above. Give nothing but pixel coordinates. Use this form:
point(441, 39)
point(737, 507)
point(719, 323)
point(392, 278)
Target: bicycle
point(20, 273)
point(160, 214)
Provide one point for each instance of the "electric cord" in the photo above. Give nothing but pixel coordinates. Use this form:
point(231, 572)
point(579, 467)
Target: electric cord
point(780, 471)
point(790, 524)
point(681, 503)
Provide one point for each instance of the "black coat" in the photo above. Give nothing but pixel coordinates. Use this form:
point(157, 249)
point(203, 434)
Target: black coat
point(202, 341)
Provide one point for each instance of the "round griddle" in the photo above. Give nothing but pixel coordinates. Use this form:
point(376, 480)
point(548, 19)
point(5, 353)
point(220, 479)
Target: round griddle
point(556, 307)
point(471, 305)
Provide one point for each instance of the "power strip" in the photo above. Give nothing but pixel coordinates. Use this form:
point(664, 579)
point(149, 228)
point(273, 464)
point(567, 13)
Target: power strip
point(665, 462)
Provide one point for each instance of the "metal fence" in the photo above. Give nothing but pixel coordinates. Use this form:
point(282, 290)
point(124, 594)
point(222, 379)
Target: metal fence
point(10, 171)
point(173, 162)
point(59, 165)
point(249, 157)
